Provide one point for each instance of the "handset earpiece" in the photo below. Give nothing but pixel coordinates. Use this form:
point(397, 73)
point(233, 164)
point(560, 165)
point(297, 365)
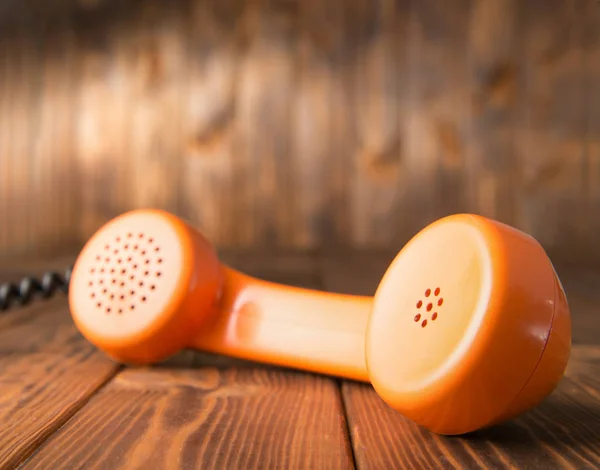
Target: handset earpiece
point(468, 327)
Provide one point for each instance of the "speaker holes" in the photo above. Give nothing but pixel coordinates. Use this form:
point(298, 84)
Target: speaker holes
point(429, 306)
point(112, 281)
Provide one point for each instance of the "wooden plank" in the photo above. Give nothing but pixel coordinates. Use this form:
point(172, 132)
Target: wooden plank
point(289, 267)
point(102, 126)
point(551, 118)
point(150, 62)
point(438, 113)
point(20, 89)
point(208, 193)
point(560, 433)
point(53, 166)
point(205, 418)
point(591, 50)
point(491, 164)
point(266, 78)
point(379, 165)
point(337, 30)
point(47, 373)
point(314, 121)
point(581, 288)
point(357, 273)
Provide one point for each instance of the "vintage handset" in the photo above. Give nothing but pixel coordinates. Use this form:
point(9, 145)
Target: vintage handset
point(469, 326)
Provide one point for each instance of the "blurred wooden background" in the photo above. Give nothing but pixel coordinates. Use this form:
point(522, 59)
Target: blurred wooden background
point(300, 124)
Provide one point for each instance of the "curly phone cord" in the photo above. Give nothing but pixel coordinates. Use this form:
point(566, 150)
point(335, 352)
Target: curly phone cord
point(23, 292)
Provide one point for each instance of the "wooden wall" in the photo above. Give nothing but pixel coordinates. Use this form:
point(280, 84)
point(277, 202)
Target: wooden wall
point(305, 124)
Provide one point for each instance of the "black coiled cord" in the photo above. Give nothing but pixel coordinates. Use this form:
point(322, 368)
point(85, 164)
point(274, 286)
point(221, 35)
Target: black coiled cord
point(23, 292)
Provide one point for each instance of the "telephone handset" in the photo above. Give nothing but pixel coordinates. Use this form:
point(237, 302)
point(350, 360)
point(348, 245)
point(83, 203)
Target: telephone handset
point(469, 326)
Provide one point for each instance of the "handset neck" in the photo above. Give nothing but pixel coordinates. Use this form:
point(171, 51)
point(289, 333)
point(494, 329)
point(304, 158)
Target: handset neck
point(288, 326)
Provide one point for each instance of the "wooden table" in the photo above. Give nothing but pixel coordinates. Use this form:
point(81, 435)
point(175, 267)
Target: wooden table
point(64, 405)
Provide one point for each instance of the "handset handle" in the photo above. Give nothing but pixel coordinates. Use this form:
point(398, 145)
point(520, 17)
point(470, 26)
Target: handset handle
point(289, 326)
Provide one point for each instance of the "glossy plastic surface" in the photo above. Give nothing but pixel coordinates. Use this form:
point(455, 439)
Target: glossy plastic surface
point(468, 327)
point(458, 336)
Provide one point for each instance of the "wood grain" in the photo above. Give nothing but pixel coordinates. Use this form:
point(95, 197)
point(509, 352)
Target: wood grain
point(205, 418)
point(438, 121)
point(103, 101)
point(560, 433)
point(313, 148)
point(152, 52)
point(299, 124)
point(591, 50)
point(378, 174)
point(266, 78)
point(213, 35)
point(47, 373)
point(494, 38)
point(552, 109)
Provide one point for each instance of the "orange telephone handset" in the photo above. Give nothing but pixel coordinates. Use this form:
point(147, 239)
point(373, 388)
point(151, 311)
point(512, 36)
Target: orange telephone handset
point(469, 326)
